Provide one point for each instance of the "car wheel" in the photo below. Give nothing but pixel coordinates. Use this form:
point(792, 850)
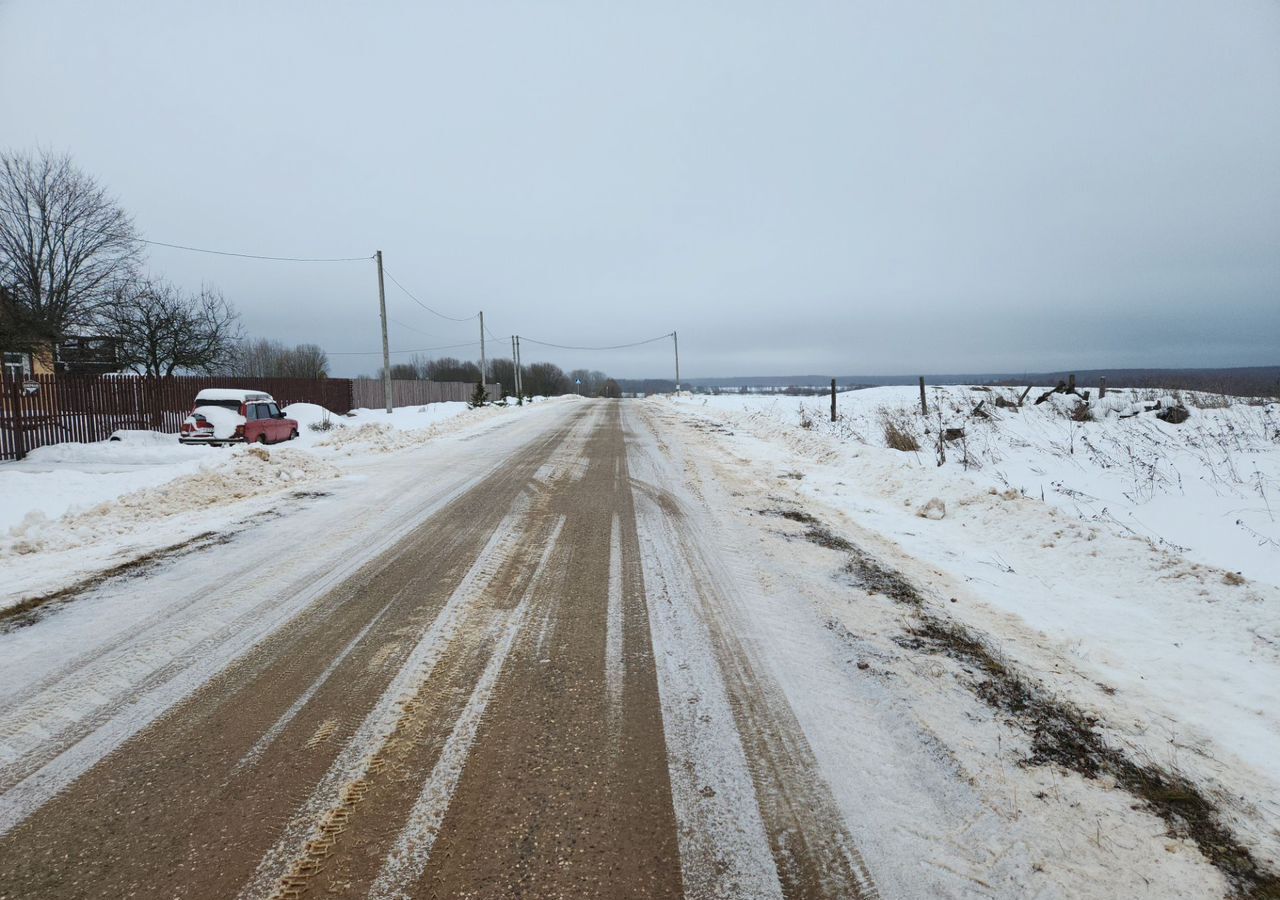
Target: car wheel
point(293, 435)
point(262, 438)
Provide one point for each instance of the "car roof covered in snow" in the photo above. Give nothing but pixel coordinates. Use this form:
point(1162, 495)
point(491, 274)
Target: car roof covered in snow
point(231, 394)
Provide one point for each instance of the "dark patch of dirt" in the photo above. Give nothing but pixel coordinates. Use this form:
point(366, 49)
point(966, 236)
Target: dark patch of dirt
point(1064, 735)
point(33, 609)
point(869, 574)
point(1061, 734)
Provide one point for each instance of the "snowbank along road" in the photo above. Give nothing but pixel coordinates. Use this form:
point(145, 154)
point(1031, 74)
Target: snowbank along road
point(577, 652)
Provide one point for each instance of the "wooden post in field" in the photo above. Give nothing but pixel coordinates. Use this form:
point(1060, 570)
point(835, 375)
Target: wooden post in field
point(924, 404)
point(1071, 383)
point(833, 399)
point(1102, 387)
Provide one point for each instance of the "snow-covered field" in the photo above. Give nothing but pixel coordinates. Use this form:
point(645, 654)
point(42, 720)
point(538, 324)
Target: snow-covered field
point(1143, 587)
point(70, 510)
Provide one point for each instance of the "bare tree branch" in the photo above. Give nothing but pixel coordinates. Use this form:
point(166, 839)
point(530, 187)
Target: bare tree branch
point(161, 331)
point(66, 247)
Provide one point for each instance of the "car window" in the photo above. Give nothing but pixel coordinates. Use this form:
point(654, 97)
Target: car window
point(273, 410)
point(233, 405)
point(251, 411)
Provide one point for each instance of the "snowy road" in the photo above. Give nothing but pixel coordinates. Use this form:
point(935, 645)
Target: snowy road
point(572, 653)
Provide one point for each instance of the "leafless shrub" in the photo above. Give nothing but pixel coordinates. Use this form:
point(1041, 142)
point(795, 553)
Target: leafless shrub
point(325, 424)
point(1081, 412)
point(899, 430)
point(1209, 401)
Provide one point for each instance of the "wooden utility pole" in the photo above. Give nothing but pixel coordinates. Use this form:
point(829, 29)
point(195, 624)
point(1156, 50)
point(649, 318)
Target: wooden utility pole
point(676, 339)
point(515, 368)
point(833, 399)
point(1102, 387)
point(519, 374)
point(386, 347)
point(924, 404)
point(483, 374)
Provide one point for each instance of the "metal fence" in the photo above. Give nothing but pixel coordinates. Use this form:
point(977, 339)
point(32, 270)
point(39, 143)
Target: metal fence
point(51, 409)
point(367, 392)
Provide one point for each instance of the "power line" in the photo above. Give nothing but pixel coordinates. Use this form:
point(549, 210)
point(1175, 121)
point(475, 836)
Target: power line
point(410, 327)
point(410, 295)
point(142, 240)
point(419, 350)
point(661, 337)
point(320, 259)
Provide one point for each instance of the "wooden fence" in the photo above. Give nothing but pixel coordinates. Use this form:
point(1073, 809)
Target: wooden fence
point(51, 409)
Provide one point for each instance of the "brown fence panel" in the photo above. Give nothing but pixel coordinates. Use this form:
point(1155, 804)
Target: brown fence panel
point(52, 409)
point(367, 393)
point(90, 407)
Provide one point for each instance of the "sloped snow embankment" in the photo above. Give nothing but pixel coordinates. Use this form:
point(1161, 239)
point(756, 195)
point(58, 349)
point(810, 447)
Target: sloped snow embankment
point(243, 475)
point(1152, 629)
point(364, 431)
point(71, 510)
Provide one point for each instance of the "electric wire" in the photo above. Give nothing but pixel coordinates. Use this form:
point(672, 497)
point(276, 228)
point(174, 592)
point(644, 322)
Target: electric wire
point(419, 350)
point(142, 240)
point(333, 259)
point(661, 337)
point(409, 294)
point(409, 327)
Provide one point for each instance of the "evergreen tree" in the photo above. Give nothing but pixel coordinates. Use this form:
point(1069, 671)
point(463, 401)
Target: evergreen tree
point(479, 397)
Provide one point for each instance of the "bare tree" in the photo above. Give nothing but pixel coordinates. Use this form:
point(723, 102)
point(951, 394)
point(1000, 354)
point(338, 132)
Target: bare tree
point(449, 369)
point(161, 330)
point(265, 358)
point(65, 245)
point(546, 379)
point(503, 372)
point(309, 361)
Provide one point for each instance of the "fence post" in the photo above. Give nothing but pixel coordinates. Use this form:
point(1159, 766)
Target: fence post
point(833, 399)
point(924, 405)
point(1102, 387)
point(19, 435)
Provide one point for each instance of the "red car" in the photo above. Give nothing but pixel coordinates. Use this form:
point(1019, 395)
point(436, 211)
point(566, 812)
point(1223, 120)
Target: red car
point(228, 416)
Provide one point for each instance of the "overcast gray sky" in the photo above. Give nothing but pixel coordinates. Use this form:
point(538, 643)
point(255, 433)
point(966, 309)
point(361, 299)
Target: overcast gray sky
point(812, 187)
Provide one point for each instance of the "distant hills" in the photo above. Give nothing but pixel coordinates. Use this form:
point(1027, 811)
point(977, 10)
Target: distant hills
point(1245, 381)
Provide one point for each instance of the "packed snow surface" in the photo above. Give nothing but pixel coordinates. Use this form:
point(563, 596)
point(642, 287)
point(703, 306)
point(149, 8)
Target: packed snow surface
point(1143, 584)
point(1208, 488)
point(68, 509)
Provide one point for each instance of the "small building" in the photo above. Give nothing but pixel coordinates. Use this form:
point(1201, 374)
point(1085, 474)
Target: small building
point(74, 355)
point(82, 354)
point(19, 364)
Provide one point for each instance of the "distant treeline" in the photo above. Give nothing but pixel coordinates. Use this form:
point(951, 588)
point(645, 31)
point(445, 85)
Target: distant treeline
point(1254, 381)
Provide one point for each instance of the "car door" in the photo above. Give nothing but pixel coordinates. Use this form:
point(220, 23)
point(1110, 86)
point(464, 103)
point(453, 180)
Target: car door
point(252, 427)
point(277, 423)
point(268, 424)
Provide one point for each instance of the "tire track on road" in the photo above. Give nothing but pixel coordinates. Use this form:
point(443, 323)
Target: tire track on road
point(550, 803)
point(810, 851)
point(118, 820)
